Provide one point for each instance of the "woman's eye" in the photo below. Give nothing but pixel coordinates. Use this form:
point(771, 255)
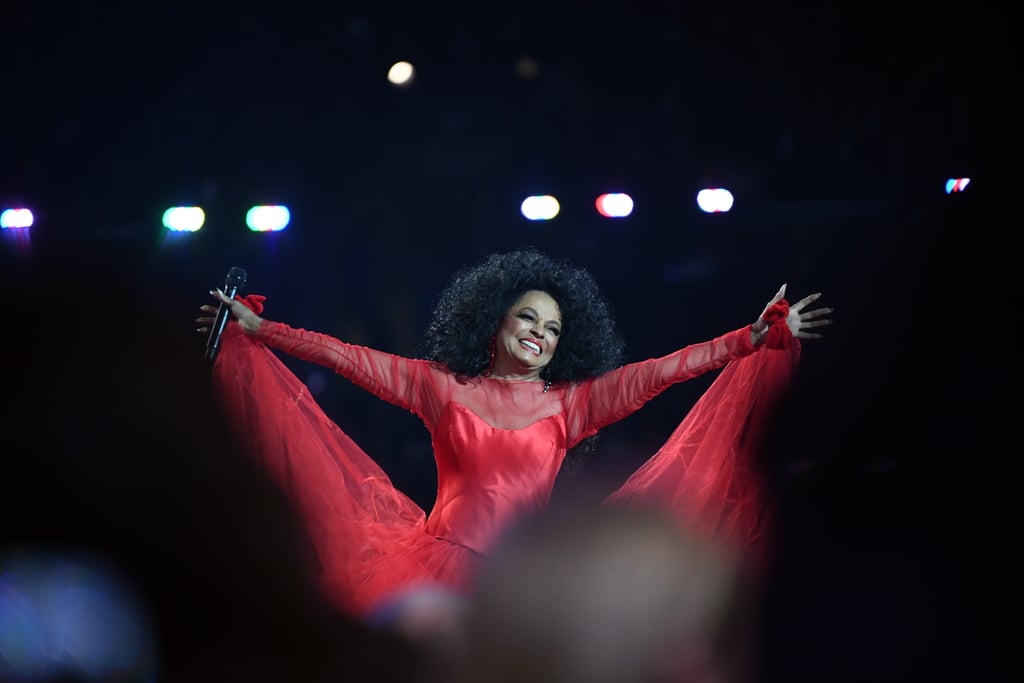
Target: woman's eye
point(554, 330)
point(526, 316)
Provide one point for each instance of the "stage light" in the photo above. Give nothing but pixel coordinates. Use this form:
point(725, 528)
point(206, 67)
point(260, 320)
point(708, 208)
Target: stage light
point(270, 218)
point(16, 218)
point(714, 200)
point(527, 68)
point(184, 218)
point(614, 205)
point(540, 207)
point(401, 73)
point(956, 185)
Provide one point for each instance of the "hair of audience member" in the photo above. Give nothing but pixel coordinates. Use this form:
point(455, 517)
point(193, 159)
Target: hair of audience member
point(431, 618)
point(612, 595)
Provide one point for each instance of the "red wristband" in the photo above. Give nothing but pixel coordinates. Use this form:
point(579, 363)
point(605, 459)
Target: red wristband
point(254, 302)
point(779, 336)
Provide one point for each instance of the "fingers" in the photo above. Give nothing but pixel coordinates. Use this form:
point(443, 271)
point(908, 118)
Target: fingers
point(774, 300)
point(779, 295)
point(800, 321)
point(206, 321)
point(210, 313)
point(801, 327)
point(811, 319)
point(806, 300)
point(816, 313)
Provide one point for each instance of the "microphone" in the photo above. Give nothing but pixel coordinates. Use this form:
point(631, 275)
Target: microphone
point(232, 284)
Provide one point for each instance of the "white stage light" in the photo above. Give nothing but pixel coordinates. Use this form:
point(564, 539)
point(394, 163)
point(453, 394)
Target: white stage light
point(614, 205)
point(714, 200)
point(401, 73)
point(270, 218)
point(16, 218)
point(184, 218)
point(540, 207)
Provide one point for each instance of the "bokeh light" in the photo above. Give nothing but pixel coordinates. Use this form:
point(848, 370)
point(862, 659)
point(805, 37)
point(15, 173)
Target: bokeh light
point(184, 218)
point(270, 218)
point(540, 207)
point(614, 205)
point(956, 185)
point(16, 218)
point(68, 617)
point(401, 73)
point(714, 200)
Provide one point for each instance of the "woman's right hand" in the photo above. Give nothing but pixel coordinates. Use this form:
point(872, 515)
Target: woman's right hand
point(249, 321)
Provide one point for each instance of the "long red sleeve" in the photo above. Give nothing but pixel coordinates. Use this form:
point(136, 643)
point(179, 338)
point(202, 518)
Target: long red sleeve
point(708, 473)
point(415, 385)
point(595, 404)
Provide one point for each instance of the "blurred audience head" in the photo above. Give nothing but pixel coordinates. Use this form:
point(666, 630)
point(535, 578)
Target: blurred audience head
point(431, 619)
point(129, 509)
point(613, 595)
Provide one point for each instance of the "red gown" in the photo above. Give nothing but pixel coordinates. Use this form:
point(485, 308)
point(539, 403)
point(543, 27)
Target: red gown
point(498, 445)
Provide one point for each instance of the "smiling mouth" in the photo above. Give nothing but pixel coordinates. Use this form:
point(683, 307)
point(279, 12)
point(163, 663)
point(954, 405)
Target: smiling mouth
point(530, 346)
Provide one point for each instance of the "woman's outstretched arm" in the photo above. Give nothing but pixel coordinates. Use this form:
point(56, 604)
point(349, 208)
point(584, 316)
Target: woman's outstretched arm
point(416, 385)
point(611, 397)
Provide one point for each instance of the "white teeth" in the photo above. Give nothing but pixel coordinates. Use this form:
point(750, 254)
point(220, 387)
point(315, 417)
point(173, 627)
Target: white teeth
point(530, 345)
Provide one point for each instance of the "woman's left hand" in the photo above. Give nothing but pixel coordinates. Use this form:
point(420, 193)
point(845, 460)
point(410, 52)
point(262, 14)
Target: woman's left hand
point(798, 320)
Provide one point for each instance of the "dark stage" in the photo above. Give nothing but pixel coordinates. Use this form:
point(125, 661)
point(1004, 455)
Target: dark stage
point(835, 126)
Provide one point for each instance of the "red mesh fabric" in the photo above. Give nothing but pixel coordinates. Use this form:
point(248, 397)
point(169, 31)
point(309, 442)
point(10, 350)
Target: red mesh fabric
point(371, 540)
point(707, 473)
point(368, 536)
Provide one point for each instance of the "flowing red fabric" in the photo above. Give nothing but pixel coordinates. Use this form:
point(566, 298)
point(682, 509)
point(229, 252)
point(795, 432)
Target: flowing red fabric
point(707, 474)
point(371, 541)
point(367, 535)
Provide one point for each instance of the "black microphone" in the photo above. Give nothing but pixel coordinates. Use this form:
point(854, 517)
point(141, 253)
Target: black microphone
point(232, 284)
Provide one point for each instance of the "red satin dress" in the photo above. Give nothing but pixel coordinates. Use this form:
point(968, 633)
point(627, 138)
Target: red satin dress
point(498, 445)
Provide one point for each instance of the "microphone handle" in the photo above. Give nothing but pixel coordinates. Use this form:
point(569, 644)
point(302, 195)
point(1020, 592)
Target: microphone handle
point(223, 313)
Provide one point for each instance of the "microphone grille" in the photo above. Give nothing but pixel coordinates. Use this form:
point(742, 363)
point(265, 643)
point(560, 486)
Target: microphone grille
point(236, 278)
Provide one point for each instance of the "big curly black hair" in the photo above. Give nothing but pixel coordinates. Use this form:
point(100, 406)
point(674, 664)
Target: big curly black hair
point(479, 295)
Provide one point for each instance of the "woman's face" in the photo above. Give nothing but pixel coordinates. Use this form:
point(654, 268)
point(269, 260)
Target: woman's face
point(527, 336)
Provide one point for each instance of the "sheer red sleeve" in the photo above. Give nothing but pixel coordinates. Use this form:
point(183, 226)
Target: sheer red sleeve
point(708, 473)
point(415, 385)
point(597, 403)
point(368, 539)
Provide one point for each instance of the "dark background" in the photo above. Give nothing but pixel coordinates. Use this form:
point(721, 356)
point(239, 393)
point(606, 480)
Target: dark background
point(836, 127)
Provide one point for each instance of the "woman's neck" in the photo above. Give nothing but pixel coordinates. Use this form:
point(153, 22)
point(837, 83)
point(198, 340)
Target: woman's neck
point(513, 372)
point(516, 377)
